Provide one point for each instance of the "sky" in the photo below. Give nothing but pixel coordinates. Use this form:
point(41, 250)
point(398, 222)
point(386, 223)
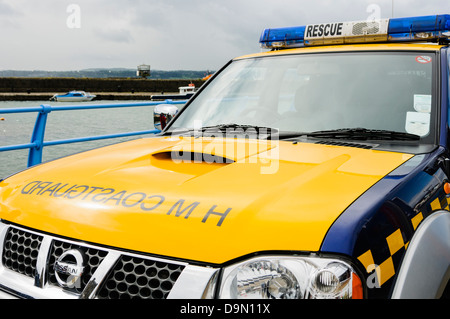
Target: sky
point(60, 35)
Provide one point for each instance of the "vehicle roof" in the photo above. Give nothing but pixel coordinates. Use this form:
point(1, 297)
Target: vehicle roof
point(351, 48)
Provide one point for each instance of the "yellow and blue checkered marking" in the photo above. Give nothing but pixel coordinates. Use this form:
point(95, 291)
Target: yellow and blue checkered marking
point(385, 268)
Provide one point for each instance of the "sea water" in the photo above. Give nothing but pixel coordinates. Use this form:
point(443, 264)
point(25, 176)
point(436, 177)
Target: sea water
point(17, 129)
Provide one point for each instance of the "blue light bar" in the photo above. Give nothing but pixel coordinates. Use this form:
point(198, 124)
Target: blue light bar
point(425, 28)
point(282, 37)
point(419, 28)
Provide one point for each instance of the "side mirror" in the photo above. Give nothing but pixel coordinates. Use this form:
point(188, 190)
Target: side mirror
point(163, 114)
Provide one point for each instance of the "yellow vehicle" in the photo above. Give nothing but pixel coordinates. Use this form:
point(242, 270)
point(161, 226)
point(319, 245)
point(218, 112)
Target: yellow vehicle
point(318, 169)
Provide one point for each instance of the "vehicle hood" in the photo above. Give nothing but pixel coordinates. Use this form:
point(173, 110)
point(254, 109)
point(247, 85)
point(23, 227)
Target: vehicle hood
point(209, 200)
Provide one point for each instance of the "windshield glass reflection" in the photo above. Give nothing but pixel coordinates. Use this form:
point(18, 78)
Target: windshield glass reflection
point(306, 93)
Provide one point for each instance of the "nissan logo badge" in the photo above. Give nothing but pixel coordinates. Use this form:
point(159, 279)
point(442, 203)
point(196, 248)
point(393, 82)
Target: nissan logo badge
point(69, 268)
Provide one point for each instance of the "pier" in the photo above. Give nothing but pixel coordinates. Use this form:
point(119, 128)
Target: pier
point(41, 89)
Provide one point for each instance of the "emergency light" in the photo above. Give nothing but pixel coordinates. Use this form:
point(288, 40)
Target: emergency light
point(426, 28)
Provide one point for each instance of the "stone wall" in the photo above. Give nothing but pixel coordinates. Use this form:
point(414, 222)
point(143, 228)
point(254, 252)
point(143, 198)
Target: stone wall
point(118, 85)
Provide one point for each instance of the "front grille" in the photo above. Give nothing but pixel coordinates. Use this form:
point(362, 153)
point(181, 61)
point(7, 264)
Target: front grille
point(123, 275)
point(20, 251)
point(140, 278)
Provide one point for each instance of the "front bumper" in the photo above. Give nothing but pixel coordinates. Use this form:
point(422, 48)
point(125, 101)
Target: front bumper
point(27, 270)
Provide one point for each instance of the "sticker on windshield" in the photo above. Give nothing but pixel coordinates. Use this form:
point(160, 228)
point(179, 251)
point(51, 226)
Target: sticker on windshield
point(422, 103)
point(417, 123)
point(424, 59)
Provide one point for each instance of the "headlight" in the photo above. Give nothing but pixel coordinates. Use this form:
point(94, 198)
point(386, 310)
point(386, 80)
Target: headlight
point(290, 278)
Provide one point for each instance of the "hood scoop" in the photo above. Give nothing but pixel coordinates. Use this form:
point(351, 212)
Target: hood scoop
point(187, 163)
point(196, 157)
point(191, 157)
point(212, 151)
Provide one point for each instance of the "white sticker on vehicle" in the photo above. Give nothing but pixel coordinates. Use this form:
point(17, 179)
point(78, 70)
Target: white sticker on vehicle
point(417, 123)
point(422, 103)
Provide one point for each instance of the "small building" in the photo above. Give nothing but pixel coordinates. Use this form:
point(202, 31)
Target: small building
point(143, 71)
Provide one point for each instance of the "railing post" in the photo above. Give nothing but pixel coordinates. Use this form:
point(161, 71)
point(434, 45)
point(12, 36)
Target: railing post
point(37, 138)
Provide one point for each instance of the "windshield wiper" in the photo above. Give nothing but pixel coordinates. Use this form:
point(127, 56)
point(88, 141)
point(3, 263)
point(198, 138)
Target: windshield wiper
point(236, 126)
point(364, 134)
point(233, 128)
point(262, 132)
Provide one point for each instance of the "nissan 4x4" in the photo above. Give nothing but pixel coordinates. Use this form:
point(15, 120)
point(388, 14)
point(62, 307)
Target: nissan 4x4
point(318, 168)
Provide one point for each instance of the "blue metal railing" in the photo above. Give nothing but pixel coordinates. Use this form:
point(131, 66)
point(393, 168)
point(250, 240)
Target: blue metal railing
point(37, 142)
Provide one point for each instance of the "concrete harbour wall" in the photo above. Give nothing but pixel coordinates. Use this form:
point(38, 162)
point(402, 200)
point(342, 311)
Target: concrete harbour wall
point(108, 88)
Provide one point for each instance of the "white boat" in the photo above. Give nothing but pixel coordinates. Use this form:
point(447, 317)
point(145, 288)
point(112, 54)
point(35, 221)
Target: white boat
point(185, 92)
point(73, 96)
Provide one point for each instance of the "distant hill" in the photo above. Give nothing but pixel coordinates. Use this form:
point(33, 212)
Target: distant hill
point(106, 73)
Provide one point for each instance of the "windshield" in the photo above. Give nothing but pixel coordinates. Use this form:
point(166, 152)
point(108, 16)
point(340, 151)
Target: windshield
point(314, 92)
